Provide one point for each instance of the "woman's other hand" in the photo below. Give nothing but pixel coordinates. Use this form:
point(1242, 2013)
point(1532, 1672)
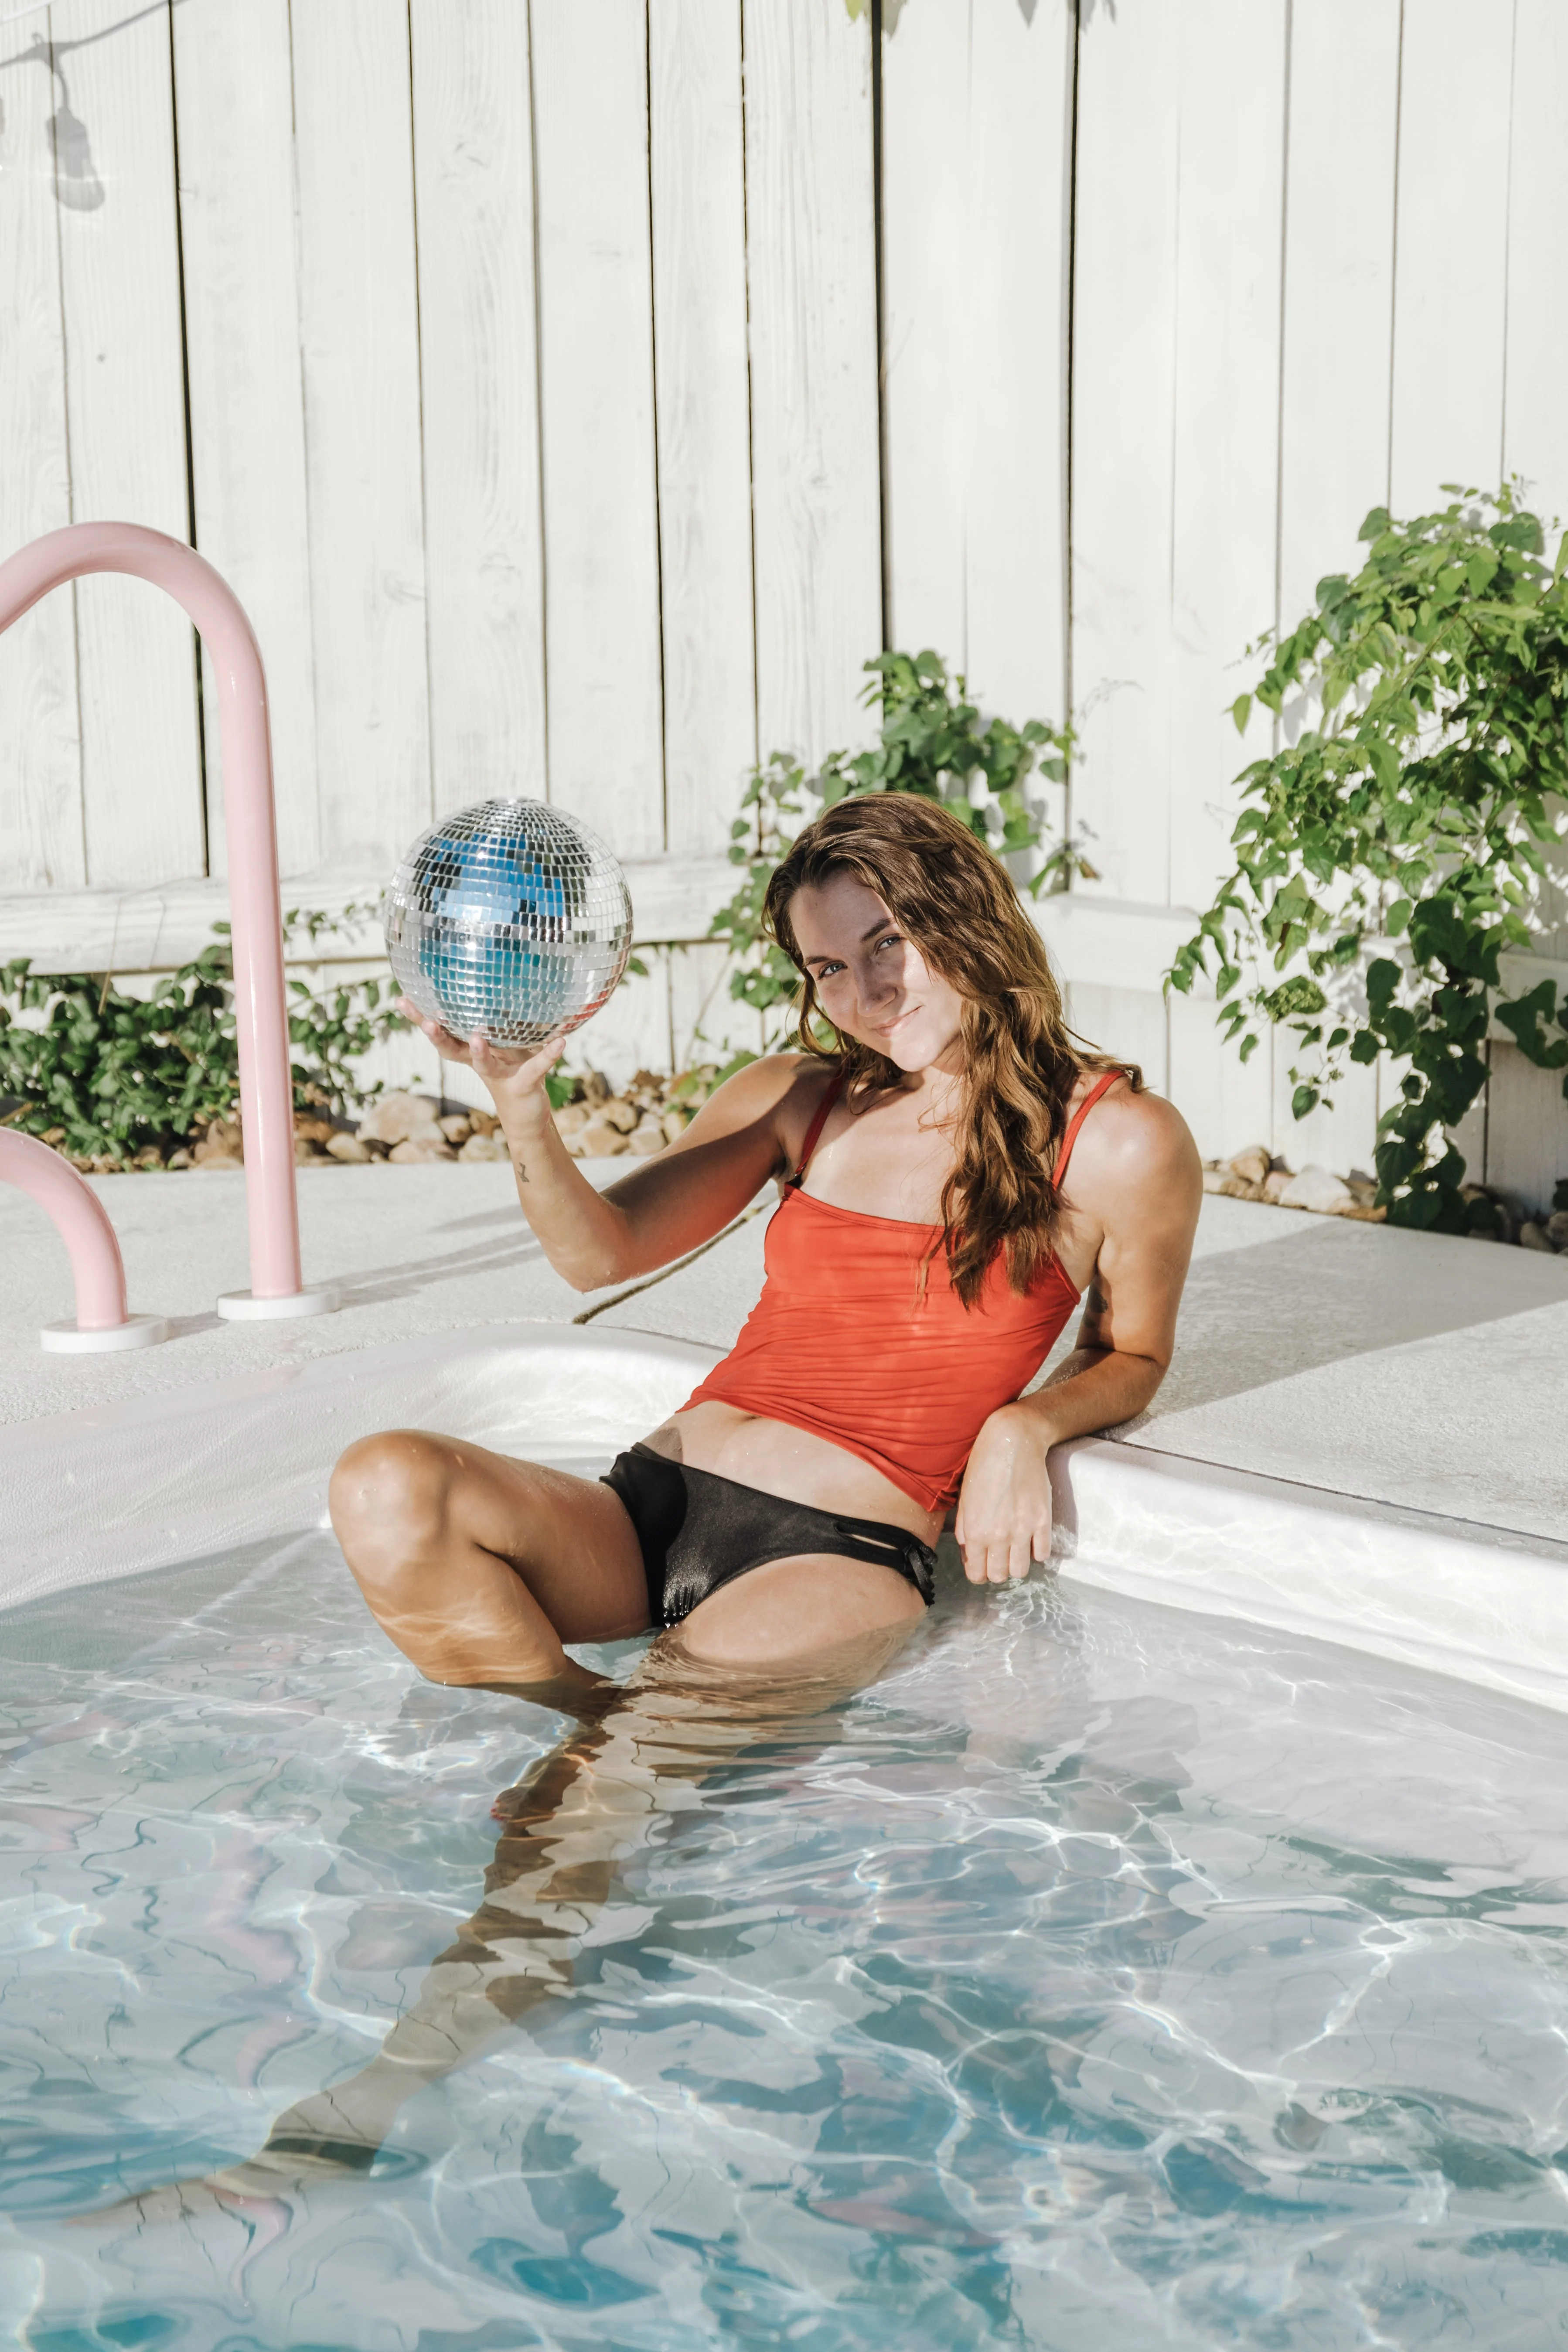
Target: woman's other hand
point(1004, 1519)
point(514, 1080)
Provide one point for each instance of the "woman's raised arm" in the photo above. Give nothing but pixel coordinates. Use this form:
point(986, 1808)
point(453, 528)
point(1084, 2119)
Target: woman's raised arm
point(667, 1204)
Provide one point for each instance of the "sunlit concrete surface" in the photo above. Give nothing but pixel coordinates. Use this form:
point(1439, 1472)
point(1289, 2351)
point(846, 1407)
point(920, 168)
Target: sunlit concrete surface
point(430, 1248)
point(1403, 1369)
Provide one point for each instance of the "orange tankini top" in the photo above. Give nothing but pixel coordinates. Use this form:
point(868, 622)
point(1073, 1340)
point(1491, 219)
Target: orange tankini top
point(846, 1341)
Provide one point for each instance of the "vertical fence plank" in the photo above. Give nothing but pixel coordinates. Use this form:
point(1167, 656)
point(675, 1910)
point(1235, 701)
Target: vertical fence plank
point(473, 154)
point(1339, 288)
point(928, 359)
point(705, 1021)
point(1451, 321)
point(1124, 336)
point(814, 429)
point(601, 523)
point(1127, 1021)
point(1535, 420)
point(1535, 423)
point(1341, 1134)
point(1227, 1102)
point(1526, 1129)
point(41, 839)
point(119, 270)
point(1334, 394)
point(1450, 281)
point(974, 288)
point(704, 415)
point(360, 332)
point(1226, 448)
point(1016, 282)
point(632, 1033)
point(235, 107)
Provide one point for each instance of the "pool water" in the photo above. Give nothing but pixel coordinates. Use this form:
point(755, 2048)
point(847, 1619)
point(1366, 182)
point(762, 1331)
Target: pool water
point(1105, 1977)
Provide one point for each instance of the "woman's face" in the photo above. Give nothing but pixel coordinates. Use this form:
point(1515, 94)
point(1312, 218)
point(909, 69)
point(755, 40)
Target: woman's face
point(871, 981)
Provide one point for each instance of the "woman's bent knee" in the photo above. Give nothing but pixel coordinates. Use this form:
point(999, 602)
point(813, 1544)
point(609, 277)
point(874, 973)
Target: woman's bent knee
point(389, 1495)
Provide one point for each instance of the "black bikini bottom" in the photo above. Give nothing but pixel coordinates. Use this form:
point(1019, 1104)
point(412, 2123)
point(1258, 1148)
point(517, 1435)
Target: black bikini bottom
point(697, 1531)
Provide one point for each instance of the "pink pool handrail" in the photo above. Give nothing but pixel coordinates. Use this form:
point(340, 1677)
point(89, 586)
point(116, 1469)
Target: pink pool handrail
point(81, 1223)
point(265, 1087)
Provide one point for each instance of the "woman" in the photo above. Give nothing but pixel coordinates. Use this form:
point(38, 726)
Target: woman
point(931, 1241)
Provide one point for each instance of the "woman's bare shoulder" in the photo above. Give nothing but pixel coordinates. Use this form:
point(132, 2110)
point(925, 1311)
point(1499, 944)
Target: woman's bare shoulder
point(1133, 1143)
point(771, 1079)
point(780, 1089)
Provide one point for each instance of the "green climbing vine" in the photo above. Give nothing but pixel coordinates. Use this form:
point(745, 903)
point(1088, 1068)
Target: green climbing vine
point(114, 1079)
point(1389, 855)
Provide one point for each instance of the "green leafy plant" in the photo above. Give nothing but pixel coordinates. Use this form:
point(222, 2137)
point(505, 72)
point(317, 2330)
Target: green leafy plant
point(122, 1079)
point(930, 741)
point(1388, 857)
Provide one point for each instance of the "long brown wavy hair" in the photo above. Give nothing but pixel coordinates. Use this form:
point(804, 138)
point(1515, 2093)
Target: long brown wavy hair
point(1021, 1061)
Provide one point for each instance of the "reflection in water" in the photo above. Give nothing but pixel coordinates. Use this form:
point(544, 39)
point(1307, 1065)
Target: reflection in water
point(637, 1755)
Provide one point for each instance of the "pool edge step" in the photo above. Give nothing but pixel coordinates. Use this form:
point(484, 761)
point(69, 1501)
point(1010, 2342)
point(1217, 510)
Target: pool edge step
point(1485, 1604)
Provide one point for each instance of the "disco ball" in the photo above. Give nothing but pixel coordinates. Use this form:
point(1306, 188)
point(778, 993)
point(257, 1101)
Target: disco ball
point(510, 917)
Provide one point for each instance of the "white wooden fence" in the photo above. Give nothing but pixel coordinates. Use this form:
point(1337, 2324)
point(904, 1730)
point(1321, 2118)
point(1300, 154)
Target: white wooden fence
point(576, 392)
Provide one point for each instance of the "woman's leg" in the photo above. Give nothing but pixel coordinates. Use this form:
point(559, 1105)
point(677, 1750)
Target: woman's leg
point(789, 1612)
point(478, 1566)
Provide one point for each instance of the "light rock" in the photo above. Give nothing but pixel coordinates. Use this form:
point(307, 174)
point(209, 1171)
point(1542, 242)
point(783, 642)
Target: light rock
point(484, 1147)
point(181, 1158)
point(648, 1138)
point(415, 1147)
point(1557, 1229)
point(623, 1114)
point(221, 1146)
point(306, 1153)
point(484, 1123)
point(571, 1118)
point(457, 1126)
point(1251, 1165)
point(213, 1160)
point(1534, 1236)
point(396, 1118)
point(600, 1139)
point(1316, 1189)
point(1237, 1187)
point(312, 1130)
point(1506, 1219)
point(1276, 1183)
point(1213, 1179)
point(674, 1124)
point(348, 1147)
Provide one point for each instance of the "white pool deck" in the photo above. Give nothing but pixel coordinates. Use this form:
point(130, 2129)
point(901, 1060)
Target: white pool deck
point(1356, 1418)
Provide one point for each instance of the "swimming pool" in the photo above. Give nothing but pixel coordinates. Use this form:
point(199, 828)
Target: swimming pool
point(1105, 1975)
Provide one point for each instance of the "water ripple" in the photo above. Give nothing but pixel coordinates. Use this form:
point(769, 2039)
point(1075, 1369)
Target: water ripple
point(1101, 1975)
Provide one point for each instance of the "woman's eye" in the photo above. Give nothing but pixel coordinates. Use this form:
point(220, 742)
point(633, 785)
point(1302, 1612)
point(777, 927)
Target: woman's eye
point(893, 940)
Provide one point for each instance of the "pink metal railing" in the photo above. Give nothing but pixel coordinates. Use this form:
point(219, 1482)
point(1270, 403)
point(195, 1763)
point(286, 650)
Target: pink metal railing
point(82, 1223)
point(266, 1089)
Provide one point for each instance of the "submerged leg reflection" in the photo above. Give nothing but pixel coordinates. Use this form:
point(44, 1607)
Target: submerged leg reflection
point(595, 1801)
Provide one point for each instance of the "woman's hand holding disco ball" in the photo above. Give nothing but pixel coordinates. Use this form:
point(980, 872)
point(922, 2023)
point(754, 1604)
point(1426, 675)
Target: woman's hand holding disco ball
point(508, 925)
point(515, 1077)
